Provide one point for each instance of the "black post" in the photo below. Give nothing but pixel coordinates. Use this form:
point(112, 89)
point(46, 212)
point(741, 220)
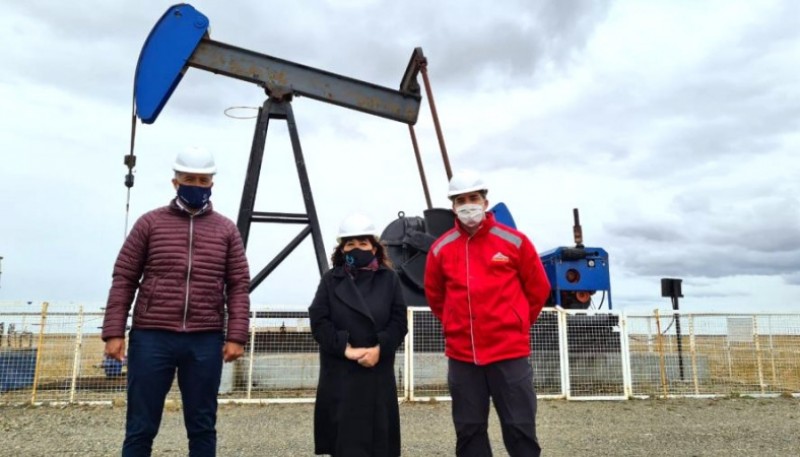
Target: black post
point(672, 288)
point(678, 331)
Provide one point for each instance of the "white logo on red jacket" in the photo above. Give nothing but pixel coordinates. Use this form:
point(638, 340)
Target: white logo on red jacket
point(500, 258)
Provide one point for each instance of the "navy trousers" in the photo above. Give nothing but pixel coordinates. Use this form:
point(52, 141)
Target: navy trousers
point(509, 383)
point(153, 358)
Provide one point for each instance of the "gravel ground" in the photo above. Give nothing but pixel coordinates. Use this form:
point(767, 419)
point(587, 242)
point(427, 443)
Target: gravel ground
point(676, 427)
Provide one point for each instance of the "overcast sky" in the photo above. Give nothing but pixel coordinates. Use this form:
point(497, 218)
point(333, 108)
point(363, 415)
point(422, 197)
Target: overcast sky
point(673, 125)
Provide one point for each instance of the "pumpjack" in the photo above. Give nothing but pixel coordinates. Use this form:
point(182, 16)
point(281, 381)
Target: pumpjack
point(180, 40)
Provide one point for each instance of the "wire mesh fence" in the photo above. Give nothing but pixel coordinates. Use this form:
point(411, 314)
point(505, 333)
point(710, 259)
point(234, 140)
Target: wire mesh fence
point(56, 355)
point(546, 355)
point(280, 359)
point(594, 353)
point(714, 354)
point(427, 366)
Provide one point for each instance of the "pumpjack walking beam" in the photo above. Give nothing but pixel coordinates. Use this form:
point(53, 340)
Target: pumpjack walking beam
point(180, 40)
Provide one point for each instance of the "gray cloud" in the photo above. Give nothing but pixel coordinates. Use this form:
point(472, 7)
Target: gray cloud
point(704, 261)
point(740, 101)
point(512, 45)
point(646, 231)
point(793, 278)
point(760, 238)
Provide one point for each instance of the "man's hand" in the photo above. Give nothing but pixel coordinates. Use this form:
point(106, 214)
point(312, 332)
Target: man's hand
point(371, 357)
point(232, 351)
point(354, 353)
point(115, 348)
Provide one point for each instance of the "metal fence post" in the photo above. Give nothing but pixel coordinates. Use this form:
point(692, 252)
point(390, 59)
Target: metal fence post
point(661, 356)
point(39, 346)
point(408, 386)
point(250, 362)
point(563, 348)
point(758, 354)
point(76, 359)
point(729, 358)
point(693, 351)
point(625, 357)
point(772, 351)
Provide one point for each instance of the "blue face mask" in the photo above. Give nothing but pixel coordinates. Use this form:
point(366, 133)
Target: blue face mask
point(194, 197)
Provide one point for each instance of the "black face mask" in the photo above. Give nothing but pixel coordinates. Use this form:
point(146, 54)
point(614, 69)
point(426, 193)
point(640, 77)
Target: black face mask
point(358, 258)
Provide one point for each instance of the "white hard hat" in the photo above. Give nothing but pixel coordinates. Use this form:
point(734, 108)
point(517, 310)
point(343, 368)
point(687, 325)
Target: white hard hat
point(356, 225)
point(195, 160)
point(465, 181)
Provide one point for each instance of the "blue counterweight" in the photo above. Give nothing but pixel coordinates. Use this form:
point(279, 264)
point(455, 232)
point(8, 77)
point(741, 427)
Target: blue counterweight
point(164, 58)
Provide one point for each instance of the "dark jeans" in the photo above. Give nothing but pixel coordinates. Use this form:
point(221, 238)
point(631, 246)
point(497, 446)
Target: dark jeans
point(509, 383)
point(153, 357)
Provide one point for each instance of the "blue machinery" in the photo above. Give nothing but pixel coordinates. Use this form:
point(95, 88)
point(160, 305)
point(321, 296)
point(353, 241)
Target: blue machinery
point(17, 359)
point(577, 273)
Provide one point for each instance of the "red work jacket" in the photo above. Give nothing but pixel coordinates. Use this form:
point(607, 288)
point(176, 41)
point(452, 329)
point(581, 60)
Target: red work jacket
point(487, 290)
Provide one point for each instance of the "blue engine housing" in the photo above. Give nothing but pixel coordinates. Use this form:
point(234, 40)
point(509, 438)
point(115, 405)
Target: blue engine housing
point(575, 275)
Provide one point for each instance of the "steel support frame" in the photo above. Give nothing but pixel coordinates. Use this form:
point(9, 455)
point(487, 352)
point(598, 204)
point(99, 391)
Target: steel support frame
point(281, 109)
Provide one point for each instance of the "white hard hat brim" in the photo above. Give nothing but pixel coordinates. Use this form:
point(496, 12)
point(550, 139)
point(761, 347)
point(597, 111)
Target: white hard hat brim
point(342, 236)
point(455, 193)
point(200, 171)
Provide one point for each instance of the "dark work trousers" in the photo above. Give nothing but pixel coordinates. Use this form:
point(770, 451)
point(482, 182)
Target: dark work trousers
point(153, 357)
point(510, 385)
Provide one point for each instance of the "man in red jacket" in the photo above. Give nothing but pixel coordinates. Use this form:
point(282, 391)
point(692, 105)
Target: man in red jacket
point(485, 283)
point(188, 265)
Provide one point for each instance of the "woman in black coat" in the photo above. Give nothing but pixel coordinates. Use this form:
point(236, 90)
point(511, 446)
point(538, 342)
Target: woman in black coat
point(358, 317)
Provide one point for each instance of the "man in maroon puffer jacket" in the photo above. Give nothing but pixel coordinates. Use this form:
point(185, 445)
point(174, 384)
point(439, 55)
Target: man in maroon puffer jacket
point(187, 263)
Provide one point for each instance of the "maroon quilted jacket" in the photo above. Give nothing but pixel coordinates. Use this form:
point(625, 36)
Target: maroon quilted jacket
point(189, 266)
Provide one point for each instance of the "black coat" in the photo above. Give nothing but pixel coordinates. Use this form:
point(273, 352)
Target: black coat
point(356, 412)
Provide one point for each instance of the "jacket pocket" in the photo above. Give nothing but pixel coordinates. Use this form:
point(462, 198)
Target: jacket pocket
point(447, 320)
point(520, 320)
point(143, 303)
point(222, 299)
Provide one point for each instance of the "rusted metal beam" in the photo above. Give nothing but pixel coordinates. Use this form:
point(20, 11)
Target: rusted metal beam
point(282, 78)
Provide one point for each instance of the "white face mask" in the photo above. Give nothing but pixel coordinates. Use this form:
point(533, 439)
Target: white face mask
point(470, 214)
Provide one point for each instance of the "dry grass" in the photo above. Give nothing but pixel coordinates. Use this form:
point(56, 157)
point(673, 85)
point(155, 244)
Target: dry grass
point(57, 357)
point(766, 364)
